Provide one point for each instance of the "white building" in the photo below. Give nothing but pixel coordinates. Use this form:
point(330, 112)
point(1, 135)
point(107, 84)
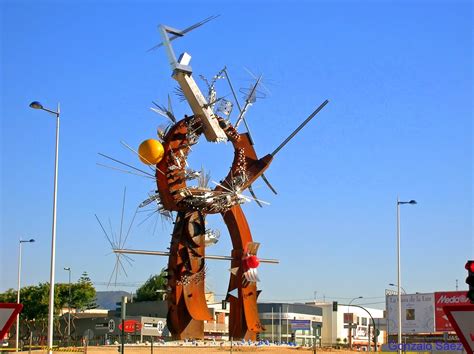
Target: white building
point(335, 332)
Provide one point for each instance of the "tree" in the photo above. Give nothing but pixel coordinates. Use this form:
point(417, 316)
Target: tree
point(345, 341)
point(35, 298)
point(83, 293)
point(149, 290)
point(84, 279)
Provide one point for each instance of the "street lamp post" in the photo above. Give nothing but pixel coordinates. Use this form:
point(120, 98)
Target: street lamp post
point(37, 105)
point(69, 305)
point(399, 281)
point(349, 324)
point(17, 334)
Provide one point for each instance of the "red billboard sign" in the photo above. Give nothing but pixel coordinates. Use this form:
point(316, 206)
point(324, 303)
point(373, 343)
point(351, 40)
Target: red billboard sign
point(131, 326)
point(447, 298)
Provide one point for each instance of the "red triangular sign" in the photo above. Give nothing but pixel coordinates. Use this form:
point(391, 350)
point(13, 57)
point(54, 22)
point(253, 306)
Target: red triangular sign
point(8, 314)
point(462, 320)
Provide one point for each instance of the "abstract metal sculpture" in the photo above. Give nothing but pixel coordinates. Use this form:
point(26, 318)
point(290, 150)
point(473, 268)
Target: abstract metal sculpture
point(186, 265)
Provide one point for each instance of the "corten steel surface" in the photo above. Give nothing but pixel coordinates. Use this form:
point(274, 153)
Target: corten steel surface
point(187, 306)
point(186, 300)
point(243, 321)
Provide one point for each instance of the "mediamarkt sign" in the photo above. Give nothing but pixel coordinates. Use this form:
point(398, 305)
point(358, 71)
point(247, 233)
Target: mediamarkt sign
point(444, 298)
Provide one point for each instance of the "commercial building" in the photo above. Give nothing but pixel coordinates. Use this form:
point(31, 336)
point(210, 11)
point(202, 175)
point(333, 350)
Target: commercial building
point(299, 323)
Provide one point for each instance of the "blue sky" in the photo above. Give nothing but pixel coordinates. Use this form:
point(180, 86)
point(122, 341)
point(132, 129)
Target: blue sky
point(399, 79)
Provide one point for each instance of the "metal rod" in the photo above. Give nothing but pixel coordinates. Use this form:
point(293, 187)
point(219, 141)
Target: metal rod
point(238, 105)
point(299, 128)
point(399, 296)
point(273, 338)
point(268, 183)
point(69, 307)
point(124, 171)
point(183, 32)
point(279, 339)
point(125, 164)
point(53, 243)
point(246, 125)
point(232, 89)
point(17, 334)
point(247, 105)
point(161, 253)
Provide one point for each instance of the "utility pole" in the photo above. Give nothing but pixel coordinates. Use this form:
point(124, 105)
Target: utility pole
point(69, 307)
point(123, 314)
point(273, 338)
point(279, 339)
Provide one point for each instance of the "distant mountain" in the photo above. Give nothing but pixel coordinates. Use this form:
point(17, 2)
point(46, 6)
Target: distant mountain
point(107, 299)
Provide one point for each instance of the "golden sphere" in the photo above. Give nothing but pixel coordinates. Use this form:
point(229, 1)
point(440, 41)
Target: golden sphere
point(151, 152)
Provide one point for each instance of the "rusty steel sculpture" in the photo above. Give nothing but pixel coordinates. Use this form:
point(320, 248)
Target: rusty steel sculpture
point(187, 308)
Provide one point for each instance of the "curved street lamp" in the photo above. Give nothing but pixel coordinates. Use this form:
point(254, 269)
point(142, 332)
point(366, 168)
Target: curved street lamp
point(399, 286)
point(38, 105)
point(349, 328)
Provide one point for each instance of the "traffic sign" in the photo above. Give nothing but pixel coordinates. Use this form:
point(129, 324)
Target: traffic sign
point(160, 327)
point(111, 326)
point(8, 314)
point(131, 326)
point(350, 325)
point(462, 320)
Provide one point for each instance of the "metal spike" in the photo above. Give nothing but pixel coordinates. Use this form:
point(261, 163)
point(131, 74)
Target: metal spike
point(234, 293)
point(255, 197)
point(121, 218)
point(103, 229)
point(125, 171)
point(234, 270)
point(301, 126)
point(268, 184)
point(170, 107)
point(123, 163)
point(183, 32)
point(248, 102)
point(130, 227)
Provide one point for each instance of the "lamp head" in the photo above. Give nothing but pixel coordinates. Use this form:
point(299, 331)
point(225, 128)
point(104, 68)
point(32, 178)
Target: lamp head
point(67, 268)
point(31, 240)
point(36, 105)
point(412, 202)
